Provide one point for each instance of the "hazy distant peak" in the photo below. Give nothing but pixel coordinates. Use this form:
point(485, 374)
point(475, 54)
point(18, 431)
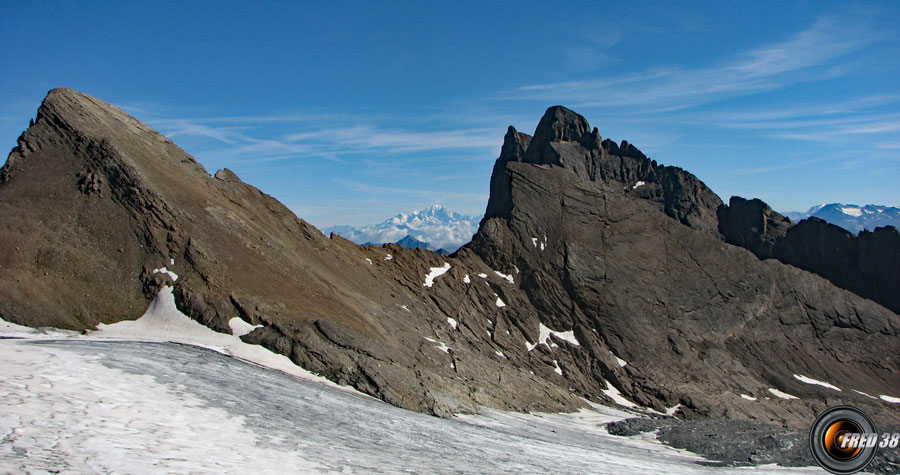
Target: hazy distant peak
point(435, 225)
point(852, 217)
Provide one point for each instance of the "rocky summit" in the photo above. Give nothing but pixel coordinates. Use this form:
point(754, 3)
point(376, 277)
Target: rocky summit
point(595, 274)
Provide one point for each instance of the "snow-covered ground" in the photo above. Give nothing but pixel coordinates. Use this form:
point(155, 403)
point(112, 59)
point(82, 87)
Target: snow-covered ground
point(164, 394)
point(88, 406)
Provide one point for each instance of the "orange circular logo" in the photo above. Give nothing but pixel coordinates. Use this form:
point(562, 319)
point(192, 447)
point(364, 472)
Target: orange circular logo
point(836, 440)
point(842, 440)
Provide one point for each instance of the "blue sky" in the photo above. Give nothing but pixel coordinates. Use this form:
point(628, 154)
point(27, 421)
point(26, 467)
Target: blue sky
point(350, 114)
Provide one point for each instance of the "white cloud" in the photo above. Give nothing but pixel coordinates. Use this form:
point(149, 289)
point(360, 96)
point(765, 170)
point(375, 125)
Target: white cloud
point(763, 69)
point(367, 137)
point(255, 139)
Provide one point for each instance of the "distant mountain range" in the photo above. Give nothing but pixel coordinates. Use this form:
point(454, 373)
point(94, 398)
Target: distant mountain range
point(436, 227)
point(852, 217)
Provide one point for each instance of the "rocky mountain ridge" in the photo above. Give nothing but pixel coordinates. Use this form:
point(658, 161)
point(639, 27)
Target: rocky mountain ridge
point(595, 274)
point(853, 218)
point(867, 264)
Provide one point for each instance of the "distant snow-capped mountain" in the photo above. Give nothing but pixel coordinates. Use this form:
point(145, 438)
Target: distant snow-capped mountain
point(852, 217)
point(441, 228)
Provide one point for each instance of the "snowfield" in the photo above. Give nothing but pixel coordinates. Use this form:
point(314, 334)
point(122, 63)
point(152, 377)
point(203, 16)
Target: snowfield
point(89, 406)
point(164, 394)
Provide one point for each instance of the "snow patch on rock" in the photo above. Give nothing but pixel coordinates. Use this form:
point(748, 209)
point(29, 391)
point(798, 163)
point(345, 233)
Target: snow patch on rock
point(164, 322)
point(508, 277)
point(808, 380)
point(435, 273)
point(440, 345)
point(613, 393)
point(544, 335)
point(163, 270)
point(782, 395)
point(852, 211)
point(239, 327)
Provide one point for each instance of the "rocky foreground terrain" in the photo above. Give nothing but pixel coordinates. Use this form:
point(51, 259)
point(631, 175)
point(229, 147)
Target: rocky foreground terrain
point(596, 274)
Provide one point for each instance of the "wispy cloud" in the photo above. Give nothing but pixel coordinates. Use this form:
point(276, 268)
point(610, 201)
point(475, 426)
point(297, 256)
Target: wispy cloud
point(803, 57)
point(846, 121)
point(788, 113)
point(269, 138)
point(781, 166)
point(368, 138)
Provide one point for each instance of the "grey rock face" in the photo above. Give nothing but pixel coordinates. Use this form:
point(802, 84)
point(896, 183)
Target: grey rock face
point(565, 139)
point(575, 264)
point(643, 275)
point(753, 225)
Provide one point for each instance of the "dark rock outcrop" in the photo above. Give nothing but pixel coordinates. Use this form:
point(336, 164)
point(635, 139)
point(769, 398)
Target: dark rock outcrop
point(867, 265)
point(699, 322)
point(564, 139)
point(752, 224)
point(589, 253)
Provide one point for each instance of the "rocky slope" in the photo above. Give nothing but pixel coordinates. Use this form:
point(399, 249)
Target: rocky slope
point(595, 271)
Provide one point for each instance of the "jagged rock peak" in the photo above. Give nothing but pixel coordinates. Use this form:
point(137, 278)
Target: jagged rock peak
point(514, 144)
point(80, 110)
point(623, 149)
point(565, 139)
point(80, 121)
point(560, 124)
point(226, 174)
